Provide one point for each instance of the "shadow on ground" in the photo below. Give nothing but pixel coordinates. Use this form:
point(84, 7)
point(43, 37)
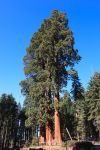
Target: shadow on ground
point(97, 147)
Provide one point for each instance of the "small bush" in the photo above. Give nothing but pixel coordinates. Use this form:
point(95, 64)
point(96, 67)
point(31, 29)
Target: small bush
point(70, 142)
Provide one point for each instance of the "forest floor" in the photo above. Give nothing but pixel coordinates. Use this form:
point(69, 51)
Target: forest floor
point(97, 146)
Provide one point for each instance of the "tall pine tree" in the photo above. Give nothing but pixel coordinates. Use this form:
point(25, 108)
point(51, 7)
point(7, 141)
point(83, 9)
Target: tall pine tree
point(93, 101)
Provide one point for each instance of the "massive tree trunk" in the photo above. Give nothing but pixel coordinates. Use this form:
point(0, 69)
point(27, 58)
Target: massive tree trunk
point(49, 137)
point(48, 123)
point(57, 128)
point(58, 139)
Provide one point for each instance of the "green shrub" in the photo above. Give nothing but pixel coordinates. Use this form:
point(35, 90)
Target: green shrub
point(71, 142)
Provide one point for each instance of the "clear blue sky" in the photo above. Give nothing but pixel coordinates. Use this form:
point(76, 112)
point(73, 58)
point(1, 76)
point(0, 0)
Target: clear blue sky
point(19, 19)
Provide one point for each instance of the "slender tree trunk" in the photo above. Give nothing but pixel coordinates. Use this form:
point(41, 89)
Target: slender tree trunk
point(5, 139)
point(3, 136)
point(58, 139)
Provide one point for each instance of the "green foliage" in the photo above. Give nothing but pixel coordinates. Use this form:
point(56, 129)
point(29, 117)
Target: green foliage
point(78, 95)
point(93, 101)
point(80, 114)
point(8, 120)
point(77, 90)
point(67, 116)
point(93, 91)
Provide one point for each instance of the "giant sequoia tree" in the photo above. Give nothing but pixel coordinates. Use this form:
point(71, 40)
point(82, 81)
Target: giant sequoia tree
point(48, 59)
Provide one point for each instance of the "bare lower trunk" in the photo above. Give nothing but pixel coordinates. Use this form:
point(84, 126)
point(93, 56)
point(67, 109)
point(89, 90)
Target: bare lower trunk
point(58, 139)
point(48, 123)
point(48, 134)
point(5, 138)
point(57, 128)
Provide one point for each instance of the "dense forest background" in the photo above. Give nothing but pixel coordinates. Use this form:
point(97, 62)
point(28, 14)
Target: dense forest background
point(49, 64)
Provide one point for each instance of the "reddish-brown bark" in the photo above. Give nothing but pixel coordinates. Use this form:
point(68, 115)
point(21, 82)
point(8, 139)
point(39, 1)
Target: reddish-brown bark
point(48, 123)
point(48, 134)
point(58, 139)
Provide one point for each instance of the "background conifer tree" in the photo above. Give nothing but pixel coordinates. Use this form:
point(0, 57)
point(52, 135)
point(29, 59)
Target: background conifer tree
point(93, 103)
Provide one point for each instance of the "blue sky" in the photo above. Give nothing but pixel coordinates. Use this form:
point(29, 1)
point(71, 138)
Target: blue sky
point(19, 19)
